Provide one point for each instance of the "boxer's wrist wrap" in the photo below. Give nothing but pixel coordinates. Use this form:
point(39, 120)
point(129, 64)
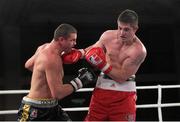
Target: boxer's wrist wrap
point(85, 77)
point(76, 84)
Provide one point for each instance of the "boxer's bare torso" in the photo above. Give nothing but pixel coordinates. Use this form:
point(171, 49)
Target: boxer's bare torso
point(125, 56)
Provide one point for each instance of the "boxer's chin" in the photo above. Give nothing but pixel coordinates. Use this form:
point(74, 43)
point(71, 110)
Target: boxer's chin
point(67, 50)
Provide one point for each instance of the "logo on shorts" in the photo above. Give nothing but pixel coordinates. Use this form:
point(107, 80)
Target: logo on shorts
point(113, 85)
point(130, 117)
point(33, 113)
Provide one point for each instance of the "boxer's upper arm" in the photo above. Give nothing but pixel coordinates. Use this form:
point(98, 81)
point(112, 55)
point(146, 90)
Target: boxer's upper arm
point(129, 67)
point(131, 64)
point(30, 63)
point(53, 76)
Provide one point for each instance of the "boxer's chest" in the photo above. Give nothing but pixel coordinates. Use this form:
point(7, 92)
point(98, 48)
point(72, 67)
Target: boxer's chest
point(117, 52)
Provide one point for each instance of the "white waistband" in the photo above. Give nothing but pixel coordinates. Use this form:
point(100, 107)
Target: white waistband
point(40, 103)
point(117, 86)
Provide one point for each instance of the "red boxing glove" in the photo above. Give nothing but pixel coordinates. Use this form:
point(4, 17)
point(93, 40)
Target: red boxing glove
point(73, 56)
point(96, 57)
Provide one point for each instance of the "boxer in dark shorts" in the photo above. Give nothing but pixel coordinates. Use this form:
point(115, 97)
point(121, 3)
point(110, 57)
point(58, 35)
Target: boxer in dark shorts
point(47, 87)
point(34, 110)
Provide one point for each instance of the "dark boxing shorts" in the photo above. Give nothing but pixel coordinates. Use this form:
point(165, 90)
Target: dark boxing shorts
point(41, 110)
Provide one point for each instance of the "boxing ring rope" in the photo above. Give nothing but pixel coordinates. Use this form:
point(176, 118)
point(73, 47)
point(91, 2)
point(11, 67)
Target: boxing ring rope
point(159, 104)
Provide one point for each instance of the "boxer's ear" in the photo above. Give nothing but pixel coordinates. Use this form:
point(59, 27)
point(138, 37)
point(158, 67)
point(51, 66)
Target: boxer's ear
point(60, 39)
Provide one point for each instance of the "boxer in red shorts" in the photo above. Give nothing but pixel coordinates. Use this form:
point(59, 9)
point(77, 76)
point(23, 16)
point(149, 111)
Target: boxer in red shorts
point(118, 54)
point(121, 53)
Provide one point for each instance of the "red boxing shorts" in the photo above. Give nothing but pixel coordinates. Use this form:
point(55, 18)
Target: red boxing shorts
point(111, 105)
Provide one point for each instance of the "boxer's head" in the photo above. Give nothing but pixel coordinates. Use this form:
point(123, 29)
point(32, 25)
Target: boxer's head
point(67, 35)
point(127, 24)
point(128, 17)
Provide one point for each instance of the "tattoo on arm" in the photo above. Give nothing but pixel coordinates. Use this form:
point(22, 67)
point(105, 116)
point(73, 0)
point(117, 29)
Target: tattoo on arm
point(138, 60)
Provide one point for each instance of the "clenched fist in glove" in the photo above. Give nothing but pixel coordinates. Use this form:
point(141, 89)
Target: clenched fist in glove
point(73, 56)
point(85, 77)
point(96, 57)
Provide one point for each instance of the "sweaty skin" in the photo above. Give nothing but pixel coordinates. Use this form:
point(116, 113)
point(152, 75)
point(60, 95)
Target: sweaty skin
point(114, 97)
point(47, 70)
point(124, 51)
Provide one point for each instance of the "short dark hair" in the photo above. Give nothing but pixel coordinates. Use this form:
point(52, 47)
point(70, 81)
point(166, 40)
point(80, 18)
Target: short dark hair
point(129, 16)
point(64, 30)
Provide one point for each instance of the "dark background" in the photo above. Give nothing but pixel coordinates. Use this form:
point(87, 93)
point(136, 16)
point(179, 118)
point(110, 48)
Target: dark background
point(26, 24)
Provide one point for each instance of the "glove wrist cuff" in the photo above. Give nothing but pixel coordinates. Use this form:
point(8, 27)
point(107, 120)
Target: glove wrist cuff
point(76, 83)
point(107, 68)
point(82, 52)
